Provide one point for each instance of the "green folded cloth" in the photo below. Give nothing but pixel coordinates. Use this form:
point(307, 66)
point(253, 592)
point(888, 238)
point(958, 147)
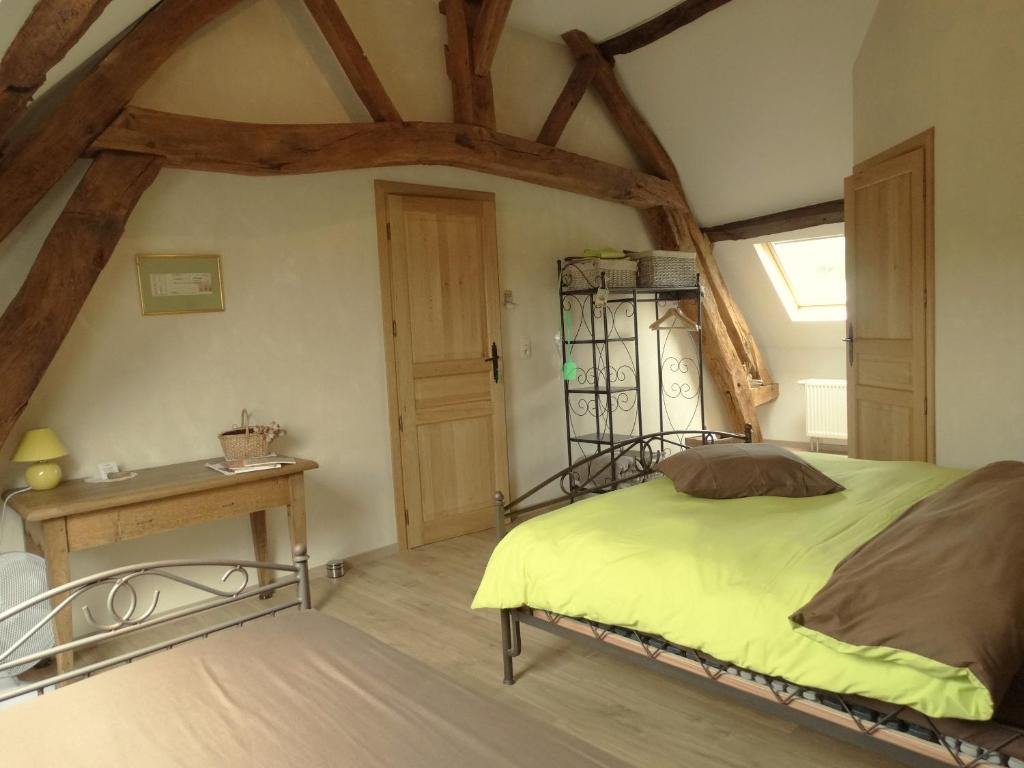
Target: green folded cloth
point(604, 253)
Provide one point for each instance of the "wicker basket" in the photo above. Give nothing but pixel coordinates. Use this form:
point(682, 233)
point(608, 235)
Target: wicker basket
point(584, 274)
point(248, 441)
point(666, 269)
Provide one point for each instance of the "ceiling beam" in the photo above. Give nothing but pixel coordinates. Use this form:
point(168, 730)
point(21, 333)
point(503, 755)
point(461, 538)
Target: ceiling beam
point(458, 60)
point(206, 144)
point(350, 55)
point(487, 33)
point(558, 118)
point(36, 162)
point(733, 354)
point(656, 28)
point(48, 33)
point(79, 245)
point(783, 221)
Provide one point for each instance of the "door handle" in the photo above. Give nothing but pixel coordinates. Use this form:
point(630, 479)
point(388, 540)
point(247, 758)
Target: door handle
point(849, 343)
point(493, 360)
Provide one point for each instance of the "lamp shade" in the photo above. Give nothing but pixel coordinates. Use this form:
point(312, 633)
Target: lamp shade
point(40, 445)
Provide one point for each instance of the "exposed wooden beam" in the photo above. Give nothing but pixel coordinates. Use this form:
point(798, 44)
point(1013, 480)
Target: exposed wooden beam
point(487, 32)
point(350, 55)
point(480, 84)
point(579, 80)
point(631, 123)
point(656, 28)
point(728, 369)
point(749, 354)
point(254, 149)
point(766, 393)
point(36, 321)
point(679, 224)
point(733, 355)
point(783, 221)
point(458, 58)
point(35, 163)
point(44, 39)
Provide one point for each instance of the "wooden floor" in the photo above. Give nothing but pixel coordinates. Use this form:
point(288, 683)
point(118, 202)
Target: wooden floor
point(418, 602)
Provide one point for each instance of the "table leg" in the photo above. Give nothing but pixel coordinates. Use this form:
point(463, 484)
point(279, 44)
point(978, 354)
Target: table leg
point(58, 572)
point(31, 545)
point(261, 547)
point(297, 511)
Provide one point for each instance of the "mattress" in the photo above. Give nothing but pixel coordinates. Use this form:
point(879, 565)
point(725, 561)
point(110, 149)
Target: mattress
point(300, 689)
point(723, 576)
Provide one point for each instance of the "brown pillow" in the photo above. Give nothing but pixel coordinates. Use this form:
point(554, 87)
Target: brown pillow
point(736, 470)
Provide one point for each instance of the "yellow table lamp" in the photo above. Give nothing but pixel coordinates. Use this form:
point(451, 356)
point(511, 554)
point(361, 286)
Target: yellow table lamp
point(41, 446)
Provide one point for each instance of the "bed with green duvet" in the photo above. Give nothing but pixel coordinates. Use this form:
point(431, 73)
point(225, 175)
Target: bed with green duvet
point(724, 576)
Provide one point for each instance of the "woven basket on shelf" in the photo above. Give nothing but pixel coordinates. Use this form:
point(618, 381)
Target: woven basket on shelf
point(584, 274)
point(248, 441)
point(666, 269)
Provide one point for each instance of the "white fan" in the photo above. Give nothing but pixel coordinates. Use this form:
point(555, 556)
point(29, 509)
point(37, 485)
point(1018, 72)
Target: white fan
point(22, 577)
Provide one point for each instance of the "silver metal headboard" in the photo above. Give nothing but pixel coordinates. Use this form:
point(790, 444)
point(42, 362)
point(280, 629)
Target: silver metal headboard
point(127, 614)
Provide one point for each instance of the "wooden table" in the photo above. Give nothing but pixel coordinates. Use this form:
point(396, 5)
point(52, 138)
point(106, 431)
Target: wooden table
point(78, 515)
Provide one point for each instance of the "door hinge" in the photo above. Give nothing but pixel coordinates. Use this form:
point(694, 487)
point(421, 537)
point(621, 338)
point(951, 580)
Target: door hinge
point(388, 226)
point(407, 517)
point(394, 328)
point(401, 424)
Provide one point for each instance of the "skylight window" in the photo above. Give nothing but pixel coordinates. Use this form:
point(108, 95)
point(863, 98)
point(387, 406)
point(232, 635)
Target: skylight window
point(809, 276)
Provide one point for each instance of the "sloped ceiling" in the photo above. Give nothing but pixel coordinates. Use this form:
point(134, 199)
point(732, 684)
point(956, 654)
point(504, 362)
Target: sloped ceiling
point(753, 101)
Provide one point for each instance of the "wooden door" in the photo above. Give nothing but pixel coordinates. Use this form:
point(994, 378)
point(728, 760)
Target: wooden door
point(448, 405)
point(889, 284)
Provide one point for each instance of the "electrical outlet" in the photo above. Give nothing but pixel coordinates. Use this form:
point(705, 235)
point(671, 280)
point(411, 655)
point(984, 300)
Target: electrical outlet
point(525, 348)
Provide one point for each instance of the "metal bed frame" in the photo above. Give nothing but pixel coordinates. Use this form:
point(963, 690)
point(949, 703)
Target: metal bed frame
point(126, 614)
point(895, 731)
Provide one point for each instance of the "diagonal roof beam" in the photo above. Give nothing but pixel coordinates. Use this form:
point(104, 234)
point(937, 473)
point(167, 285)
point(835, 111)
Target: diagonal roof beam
point(350, 55)
point(656, 28)
point(733, 355)
point(579, 80)
point(35, 163)
point(40, 315)
point(49, 32)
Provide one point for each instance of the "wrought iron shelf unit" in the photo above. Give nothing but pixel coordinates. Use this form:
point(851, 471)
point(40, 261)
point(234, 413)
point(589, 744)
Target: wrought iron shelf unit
point(612, 369)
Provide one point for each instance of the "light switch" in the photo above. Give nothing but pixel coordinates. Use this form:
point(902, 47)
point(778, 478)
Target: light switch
point(525, 349)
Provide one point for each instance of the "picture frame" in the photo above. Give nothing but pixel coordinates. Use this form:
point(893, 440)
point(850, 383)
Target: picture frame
point(176, 284)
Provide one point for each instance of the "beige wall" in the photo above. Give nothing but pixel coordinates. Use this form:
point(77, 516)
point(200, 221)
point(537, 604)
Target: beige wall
point(960, 67)
point(301, 339)
point(792, 350)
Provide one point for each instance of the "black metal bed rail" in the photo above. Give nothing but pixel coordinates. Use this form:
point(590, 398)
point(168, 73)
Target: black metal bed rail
point(582, 479)
point(861, 717)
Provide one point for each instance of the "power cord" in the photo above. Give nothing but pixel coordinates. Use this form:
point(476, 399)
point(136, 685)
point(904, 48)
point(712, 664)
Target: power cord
point(3, 512)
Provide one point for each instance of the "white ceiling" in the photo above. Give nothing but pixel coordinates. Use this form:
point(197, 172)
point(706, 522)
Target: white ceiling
point(753, 100)
point(598, 18)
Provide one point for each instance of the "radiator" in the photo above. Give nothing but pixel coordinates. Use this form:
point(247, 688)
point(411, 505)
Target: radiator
point(826, 408)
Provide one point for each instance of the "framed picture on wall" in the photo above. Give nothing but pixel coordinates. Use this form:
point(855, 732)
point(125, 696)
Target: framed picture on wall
point(172, 284)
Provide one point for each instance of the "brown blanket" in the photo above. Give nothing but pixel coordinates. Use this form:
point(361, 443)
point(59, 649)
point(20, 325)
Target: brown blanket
point(945, 581)
point(295, 690)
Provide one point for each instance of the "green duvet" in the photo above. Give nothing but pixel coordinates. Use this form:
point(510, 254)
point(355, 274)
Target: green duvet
point(724, 576)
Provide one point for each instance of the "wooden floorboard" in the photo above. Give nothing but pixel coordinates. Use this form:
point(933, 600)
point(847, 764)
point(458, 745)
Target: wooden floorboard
point(418, 602)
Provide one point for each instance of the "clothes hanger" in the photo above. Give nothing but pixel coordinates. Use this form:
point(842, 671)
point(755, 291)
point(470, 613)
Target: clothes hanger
point(677, 315)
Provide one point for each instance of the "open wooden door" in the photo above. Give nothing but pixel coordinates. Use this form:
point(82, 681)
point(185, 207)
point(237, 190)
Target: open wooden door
point(889, 281)
point(439, 273)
